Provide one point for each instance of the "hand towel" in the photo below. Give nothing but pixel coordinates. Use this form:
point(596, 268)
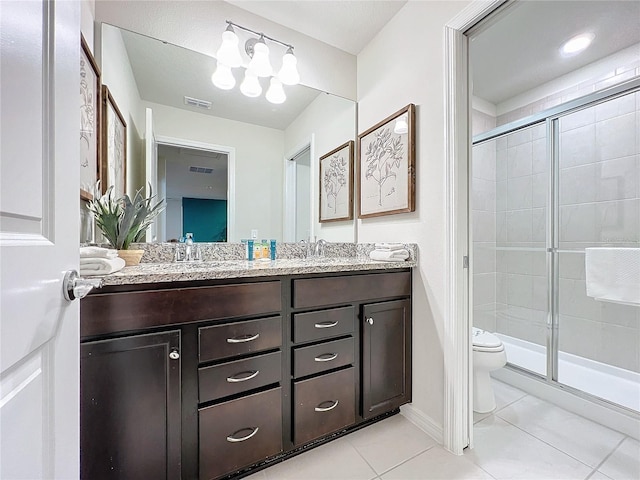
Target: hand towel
point(98, 252)
point(389, 255)
point(389, 246)
point(100, 266)
point(613, 274)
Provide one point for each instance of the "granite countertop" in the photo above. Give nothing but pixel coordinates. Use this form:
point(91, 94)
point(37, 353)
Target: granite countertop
point(221, 269)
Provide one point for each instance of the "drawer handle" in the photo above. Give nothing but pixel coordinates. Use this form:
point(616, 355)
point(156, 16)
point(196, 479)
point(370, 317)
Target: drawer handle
point(326, 324)
point(236, 379)
point(326, 409)
point(243, 339)
point(326, 357)
point(233, 439)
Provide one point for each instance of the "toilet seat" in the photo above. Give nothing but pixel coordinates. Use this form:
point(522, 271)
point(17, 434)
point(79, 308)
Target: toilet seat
point(484, 341)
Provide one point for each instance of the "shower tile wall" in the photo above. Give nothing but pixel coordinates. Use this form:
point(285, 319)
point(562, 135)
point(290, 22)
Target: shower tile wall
point(599, 206)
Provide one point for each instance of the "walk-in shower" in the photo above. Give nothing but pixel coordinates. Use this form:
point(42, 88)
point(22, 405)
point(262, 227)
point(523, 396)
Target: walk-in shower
point(543, 189)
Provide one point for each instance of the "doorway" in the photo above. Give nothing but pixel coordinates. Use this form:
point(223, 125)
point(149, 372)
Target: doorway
point(297, 201)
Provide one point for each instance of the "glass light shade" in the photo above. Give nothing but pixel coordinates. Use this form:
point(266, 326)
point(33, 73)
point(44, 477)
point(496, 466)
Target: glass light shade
point(275, 94)
point(401, 126)
point(228, 53)
point(250, 86)
point(577, 44)
point(289, 72)
point(223, 77)
point(260, 64)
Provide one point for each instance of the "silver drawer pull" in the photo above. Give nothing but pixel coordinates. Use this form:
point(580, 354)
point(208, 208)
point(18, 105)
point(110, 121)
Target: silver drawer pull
point(243, 339)
point(236, 379)
point(326, 324)
point(326, 357)
point(233, 439)
point(320, 409)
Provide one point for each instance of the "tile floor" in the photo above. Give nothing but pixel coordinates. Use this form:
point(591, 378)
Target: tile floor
point(524, 438)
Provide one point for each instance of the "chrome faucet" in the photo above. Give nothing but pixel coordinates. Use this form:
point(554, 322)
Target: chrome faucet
point(190, 252)
point(319, 248)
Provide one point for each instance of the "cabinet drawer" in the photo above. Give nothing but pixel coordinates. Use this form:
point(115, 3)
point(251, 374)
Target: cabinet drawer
point(118, 312)
point(325, 356)
point(239, 376)
point(316, 292)
point(230, 339)
point(239, 433)
point(323, 405)
point(323, 324)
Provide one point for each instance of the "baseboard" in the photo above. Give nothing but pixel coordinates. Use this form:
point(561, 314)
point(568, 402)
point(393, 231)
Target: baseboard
point(423, 422)
point(609, 416)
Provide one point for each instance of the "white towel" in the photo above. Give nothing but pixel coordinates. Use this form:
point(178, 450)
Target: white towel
point(613, 274)
point(389, 246)
point(98, 252)
point(389, 255)
point(100, 266)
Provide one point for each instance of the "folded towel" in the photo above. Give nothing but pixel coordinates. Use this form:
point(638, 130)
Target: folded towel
point(98, 252)
point(613, 274)
point(100, 266)
point(389, 246)
point(389, 255)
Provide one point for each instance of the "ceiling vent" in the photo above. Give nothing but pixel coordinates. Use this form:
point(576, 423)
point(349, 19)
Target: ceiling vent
point(195, 102)
point(201, 170)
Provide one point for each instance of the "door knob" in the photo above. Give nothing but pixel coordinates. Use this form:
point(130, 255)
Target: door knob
point(370, 320)
point(74, 286)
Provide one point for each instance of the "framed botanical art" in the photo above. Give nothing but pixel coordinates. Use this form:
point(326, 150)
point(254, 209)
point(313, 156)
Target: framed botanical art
point(89, 122)
point(114, 146)
point(386, 165)
point(336, 184)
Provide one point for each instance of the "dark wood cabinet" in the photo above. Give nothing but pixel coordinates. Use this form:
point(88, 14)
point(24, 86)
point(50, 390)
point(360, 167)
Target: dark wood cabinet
point(130, 407)
point(214, 378)
point(386, 356)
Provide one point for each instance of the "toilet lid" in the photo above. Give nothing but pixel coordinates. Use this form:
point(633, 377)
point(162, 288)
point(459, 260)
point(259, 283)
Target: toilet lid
point(484, 339)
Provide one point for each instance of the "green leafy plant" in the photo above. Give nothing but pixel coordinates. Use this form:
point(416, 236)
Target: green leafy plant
point(124, 221)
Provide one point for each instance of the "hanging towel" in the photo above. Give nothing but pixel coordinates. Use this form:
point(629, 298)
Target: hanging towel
point(98, 252)
point(389, 255)
point(389, 246)
point(100, 266)
point(613, 274)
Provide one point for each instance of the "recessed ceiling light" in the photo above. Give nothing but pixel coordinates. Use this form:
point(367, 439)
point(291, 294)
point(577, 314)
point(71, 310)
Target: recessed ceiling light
point(576, 44)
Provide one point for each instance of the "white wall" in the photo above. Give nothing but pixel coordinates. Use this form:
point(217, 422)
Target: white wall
point(87, 14)
point(199, 26)
point(118, 77)
point(404, 64)
point(259, 166)
point(332, 121)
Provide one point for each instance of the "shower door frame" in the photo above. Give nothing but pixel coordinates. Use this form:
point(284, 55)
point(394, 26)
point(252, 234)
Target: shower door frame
point(551, 118)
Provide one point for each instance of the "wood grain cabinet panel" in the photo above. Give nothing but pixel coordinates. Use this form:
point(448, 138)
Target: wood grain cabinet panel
point(323, 405)
point(239, 376)
point(239, 338)
point(332, 322)
point(240, 432)
point(323, 356)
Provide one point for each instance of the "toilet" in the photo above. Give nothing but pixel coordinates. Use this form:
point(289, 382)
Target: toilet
point(488, 355)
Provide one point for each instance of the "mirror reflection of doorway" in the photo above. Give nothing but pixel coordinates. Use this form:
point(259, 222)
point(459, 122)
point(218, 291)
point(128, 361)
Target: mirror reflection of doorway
point(195, 182)
point(303, 198)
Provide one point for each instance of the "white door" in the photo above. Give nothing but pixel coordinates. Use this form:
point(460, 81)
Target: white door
point(39, 237)
point(151, 170)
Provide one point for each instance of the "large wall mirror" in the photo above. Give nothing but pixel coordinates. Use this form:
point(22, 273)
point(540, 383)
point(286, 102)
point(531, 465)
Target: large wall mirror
point(227, 164)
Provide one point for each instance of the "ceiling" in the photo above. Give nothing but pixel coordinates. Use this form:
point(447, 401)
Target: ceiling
point(345, 24)
point(519, 49)
point(181, 182)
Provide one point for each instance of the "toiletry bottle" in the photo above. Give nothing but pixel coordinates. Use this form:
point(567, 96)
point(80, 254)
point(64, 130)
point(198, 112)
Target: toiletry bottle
point(264, 245)
point(272, 249)
point(250, 250)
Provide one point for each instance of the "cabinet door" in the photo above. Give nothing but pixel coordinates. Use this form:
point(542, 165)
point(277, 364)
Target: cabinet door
point(130, 407)
point(386, 356)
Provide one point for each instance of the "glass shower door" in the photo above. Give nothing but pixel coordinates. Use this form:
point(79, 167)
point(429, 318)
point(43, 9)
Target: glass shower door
point(598, 205)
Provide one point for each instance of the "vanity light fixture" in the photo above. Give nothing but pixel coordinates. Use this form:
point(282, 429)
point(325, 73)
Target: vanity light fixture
point(576, 44)
point(228, 57)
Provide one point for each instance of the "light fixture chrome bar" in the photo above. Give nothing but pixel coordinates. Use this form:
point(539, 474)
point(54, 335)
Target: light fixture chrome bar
point(259, 34)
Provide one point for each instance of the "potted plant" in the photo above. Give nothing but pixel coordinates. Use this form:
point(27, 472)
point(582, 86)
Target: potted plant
point(123, 221)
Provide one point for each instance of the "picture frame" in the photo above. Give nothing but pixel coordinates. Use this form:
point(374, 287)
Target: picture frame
point(90, 120)
point(113, 169)
point(336, 184)
point(387, 166)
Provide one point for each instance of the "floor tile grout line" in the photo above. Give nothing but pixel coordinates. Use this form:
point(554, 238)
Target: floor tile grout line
point(546, 443)
point(408, 459)
point(609, 455)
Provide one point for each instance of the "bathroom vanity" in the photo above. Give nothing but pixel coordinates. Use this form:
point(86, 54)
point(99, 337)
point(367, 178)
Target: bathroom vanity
point(211, 371)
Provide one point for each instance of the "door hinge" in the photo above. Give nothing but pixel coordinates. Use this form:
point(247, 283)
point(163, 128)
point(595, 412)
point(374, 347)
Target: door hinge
point(465, 261)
